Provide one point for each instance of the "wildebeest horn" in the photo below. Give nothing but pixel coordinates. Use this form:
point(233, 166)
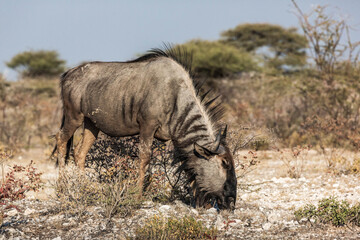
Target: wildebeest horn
point(223, 135)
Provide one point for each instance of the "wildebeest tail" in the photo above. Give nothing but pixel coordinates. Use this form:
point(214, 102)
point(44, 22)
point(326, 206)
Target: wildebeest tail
point(69, 144)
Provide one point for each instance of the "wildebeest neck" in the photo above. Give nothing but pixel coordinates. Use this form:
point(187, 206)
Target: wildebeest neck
point(191, 124)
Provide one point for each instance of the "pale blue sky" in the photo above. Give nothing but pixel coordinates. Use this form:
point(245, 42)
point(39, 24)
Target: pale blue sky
point(109, 30)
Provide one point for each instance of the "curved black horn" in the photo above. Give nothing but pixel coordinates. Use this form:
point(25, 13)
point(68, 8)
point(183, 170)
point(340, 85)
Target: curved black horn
point(223, 135)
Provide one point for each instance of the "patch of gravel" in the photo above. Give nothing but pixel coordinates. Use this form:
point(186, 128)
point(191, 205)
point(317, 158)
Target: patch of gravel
point(266, 201)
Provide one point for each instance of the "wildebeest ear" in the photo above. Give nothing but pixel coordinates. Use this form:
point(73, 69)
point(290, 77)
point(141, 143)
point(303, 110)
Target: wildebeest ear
point(220, 150)
point(201, 151)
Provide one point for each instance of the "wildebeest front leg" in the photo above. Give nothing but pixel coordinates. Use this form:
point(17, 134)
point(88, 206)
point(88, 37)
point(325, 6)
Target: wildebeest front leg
point(89, 136)
point(146, 140)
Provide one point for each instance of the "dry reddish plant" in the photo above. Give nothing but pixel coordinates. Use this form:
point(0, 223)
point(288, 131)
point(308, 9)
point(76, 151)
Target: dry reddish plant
point(247, 138)
point(14, 186)
point(246, 164)
point(294, 160)
point(18, 181)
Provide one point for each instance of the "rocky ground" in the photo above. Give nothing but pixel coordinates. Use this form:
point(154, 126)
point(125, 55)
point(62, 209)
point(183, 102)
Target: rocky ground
point(267, 198)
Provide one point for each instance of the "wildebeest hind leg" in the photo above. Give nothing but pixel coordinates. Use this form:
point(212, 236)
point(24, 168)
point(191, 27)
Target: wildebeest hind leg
point(90, 134)
point(64, 135)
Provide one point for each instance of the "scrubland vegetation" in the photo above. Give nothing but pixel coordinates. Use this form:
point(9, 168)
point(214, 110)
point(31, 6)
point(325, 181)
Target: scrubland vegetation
point(284, 90)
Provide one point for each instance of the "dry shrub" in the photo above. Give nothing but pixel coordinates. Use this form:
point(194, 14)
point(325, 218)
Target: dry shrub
point(251, 139)
point(355, 166)
point(166, 184)
point(246, 164)
point(170, 228)
point(27, 112)
point(333, 137)
point(104, 154)
point(335, 161)
point(339, 132)
point(120, 196)
point(16, 183)
point(120, 190)
point(339, 161)
point(294, 160)
point(163, 182)
point(20, 180)
point(77, 191)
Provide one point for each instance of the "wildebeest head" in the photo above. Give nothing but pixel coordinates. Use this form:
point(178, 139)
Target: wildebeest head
point(214, 174)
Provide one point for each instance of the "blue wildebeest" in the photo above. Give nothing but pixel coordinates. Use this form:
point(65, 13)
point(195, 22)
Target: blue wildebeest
point(153, 96)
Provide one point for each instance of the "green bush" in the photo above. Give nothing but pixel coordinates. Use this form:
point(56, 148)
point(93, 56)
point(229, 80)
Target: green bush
point(331, 210)
point(174, 229)
point(216, 59)
point(37, 63)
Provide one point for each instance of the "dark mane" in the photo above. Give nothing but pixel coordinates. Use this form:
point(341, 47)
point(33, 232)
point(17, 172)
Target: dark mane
point(185, 58)
point(177, 53)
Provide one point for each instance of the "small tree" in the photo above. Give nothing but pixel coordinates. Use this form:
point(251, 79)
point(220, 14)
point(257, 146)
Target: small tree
point(324, 33)
point(37, 63)
point(216, 59)
point(286, 45)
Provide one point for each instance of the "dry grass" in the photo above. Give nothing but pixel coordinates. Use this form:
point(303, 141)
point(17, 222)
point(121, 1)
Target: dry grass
point(29, 111)
point(77, 192)
point(340, 161)
point(174, 228)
